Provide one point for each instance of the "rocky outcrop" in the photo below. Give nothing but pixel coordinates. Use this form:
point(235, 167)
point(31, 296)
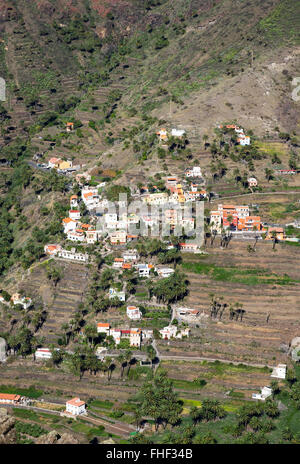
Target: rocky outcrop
point(7, 432)
point(53, 438)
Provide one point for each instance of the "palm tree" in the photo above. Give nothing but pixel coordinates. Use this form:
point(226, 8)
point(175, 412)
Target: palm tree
point(122, 361)
point(128, 356)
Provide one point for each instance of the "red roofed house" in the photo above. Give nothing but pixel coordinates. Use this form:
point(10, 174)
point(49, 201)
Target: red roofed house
point(52, 249)
point(75, 407)
point(103, 327)
point(69, 224)
point(9, 398)
point(74, 214)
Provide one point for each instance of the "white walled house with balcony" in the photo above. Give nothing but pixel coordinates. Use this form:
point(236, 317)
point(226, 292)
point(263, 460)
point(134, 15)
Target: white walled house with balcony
point(69, 225)
point(76, 407)
point(76, 236)
point(134, 313)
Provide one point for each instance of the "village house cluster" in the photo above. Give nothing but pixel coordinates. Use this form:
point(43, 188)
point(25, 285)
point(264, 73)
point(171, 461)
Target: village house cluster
point(134, 335)
point(242, 139)
point(17, 299)
point(236, 218)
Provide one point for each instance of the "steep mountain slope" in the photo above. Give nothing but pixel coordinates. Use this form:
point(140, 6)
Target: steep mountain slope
point(53, 52)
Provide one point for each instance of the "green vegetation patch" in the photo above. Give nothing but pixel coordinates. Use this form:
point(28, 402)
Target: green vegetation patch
point(238, 275)
point(101, 404)
point(30, 392)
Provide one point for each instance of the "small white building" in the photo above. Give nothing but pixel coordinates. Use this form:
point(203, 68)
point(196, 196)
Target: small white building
point(73, 256)
point(279, 372)
point(171, 331)
point(74, 201)
point(9, 398)
point(265, 393)
point(76, 407)
point(74, 214)
point(52, 250)
point(252, 182)
point(244, 140)
point(195, 171)
point(164, 272)
point(134, 313)
point(144, 269)
point(103, 327)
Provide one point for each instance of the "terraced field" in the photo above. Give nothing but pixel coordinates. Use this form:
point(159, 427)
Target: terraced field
point(254, 339)
point(62, 301)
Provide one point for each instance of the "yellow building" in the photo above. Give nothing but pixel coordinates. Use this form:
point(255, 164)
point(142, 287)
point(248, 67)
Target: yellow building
point(65, 165)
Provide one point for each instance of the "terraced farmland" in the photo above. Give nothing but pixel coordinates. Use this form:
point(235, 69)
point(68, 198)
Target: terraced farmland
point(254, 339)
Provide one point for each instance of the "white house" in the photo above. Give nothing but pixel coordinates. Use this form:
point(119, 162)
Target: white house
point(164, 272)
point(168, 332)
point(135, 337)
point(279, 372)
point(74, 201)
point(76, 407)
point(156, 198)
point(133, 313)
point(252, 182)
point(194, 172)
point(21, 300)
point(75, 236)
point(244, 140)
point(118, 237)
point(74, 214)
point(52, 249)
point(103, 327)
point(72, 255)
point(92, 236)
point(144, 269)
point(171, 331)
point(69, 224)
point(265, 393)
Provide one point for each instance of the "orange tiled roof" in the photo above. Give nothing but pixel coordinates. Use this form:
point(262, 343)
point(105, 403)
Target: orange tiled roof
point(76, 402)
point(9, 396)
